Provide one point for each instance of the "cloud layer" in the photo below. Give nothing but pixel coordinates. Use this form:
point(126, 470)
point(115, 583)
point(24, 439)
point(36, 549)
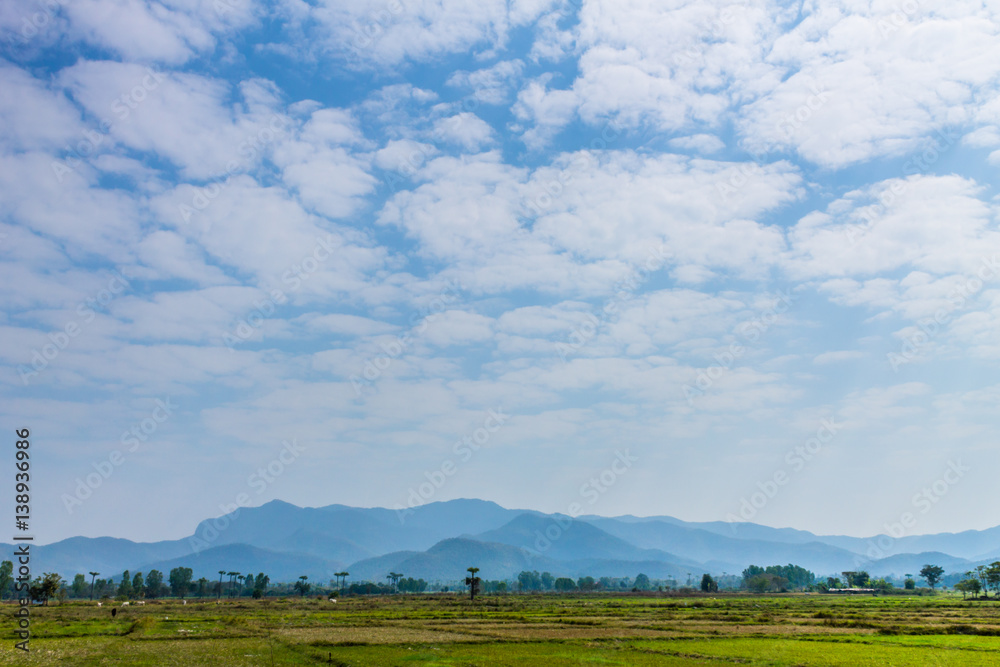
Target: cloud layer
point(696, 231)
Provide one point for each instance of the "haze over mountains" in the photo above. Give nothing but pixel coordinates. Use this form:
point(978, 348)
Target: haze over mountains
point(439, 540)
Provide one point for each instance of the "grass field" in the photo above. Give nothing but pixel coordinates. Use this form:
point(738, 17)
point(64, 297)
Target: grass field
point(518, 630)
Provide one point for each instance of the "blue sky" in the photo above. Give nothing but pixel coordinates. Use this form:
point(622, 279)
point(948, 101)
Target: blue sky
point(743, 242)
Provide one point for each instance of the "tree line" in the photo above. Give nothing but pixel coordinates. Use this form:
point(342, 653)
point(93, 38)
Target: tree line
point(232, 584)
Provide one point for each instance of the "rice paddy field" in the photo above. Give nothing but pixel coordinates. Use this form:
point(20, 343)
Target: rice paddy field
point(797, 629)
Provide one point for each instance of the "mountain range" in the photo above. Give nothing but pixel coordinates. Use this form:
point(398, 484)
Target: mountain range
point(438, 541)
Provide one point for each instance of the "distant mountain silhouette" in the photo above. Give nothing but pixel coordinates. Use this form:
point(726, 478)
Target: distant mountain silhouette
point(437, 541)
point(248, 560)
point(561, 538)
point(725, 551)
point(447, 561)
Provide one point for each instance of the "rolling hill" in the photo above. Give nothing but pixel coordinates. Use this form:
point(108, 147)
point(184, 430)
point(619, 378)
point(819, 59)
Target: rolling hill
point(438, 541)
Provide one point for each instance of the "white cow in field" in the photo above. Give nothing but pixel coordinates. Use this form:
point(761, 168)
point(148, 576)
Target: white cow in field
point(125, 604)
point(142, 602)
point(184, 601)
point(333, 599)
point(100, 604)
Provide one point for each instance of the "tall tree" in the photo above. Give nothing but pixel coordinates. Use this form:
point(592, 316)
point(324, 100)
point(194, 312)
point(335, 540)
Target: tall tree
point(529, 581)
point(932, 574)
point(6, 577)
point(708, 584)
point(92, 575)
point(856, 579)
point(221, 572)
point(180, 581)
point(154, 582)
point(993, 577)
point(125, 588)
point(137, 587)
point(564, 584)
point(260, 585)
point(49, 585)
point(302, 586)
point(79, 586)
point(472, 581)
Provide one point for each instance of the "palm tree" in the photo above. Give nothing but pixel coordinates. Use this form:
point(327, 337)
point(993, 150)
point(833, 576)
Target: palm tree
point(92, 575)
point(232, 581)
point(221, 572)
point(473, 582)
point(340, 575)
point(394, 577)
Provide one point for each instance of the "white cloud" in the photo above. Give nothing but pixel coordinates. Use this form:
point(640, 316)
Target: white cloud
point(869, 82)
point(938, 224)
point(705, 144)
point(349, 325)
point(547, 110)
point(456, 327)
point(835, 357)
point(544, 160)
point(169, 255)
point(265, 234)
point(170, 31)
point(185, 118)
point(372, 33)
point(52, 202)
point(33, 115)
point(492, 85)
point(642, 63)
point(465, 129)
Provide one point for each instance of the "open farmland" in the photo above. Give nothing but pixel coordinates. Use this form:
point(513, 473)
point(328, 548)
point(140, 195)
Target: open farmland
point(520, 630)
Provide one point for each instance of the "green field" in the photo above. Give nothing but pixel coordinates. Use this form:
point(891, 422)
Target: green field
point(801, 629)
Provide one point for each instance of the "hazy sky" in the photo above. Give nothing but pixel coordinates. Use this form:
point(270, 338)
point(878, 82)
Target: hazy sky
point(691, 251)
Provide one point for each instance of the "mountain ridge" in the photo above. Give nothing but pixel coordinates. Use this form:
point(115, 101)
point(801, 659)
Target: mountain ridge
point(437, 538)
